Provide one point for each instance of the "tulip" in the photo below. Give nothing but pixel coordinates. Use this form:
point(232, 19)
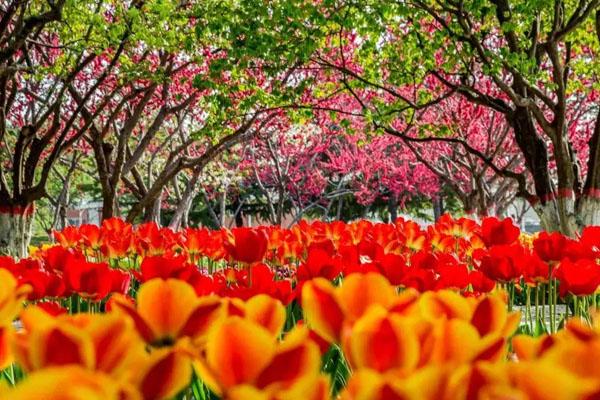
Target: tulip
point(319, 263)
point(504, 263)
point(11, 301)
point(163, 373)
point(426, 384)
point(243, 358)
point(169, 310)
point(580, 278)
point(91, 236)
point(68, 237)
point(90, 280)
point(383, 342)
point(73, 383)
point(498, 232)
point(101, 342)
point(165, 267)
point(246, 245)
point(550, 246)
point(120, 281)
point(322, 309)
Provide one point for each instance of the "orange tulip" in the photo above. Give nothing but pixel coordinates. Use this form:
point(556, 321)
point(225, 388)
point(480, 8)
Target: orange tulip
point(168, 310)
point(72, 383)
point(445, 304)
point(101, 342)
point(529, 348)
point(267, 312)
point(481, 380)
point(163, 373)
point(382, 342)
point(425, 384)
point(327, 308)
point(359, 292)
point(243, 358)
point(12, 297)
point(6, 338)
point(544, 380)
point(322, 309)
point(491, 316)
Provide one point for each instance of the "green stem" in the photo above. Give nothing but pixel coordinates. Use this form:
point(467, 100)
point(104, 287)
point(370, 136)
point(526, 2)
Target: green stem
point(537, 303)
point(528, 307)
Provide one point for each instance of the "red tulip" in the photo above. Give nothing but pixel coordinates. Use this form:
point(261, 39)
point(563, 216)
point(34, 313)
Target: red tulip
point(120, 281)
point(452, 276)
point(550, 246)
point(496, 232)
point(165, 267)
point(91, 236)
point(91, 280)
point(503, 263)
point(203, 284)
point(420, 279)
point(68, 237)
point(392, 266)
point(239, 283)
point(246, 245)
point(56, 257)
point(590, 238)
point(535, 269)
point(580, 278)
point(481, 283)
point(44, 283)
point(319, 263)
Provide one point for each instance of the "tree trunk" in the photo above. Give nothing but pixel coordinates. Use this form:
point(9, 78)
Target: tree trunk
point(181, 214)
point(393, 208)
point(589, 203)
point(211, 211)
point(555, 210)
point(108, 204)
point(589, 211)
point(222, 208)
point(238, 214)
point(15, 230)
point(438, 207)
point(239, 219)
point(340, 208)
point(152, 213)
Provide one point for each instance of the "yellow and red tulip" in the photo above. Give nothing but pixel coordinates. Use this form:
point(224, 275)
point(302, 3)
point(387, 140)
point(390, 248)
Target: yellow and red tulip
point(242, 357)
point(168, 310)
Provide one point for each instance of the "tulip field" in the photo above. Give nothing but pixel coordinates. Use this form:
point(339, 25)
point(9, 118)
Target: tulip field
point(361, 310)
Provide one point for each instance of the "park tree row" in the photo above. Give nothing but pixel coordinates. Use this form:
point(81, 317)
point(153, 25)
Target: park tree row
point(489, 100)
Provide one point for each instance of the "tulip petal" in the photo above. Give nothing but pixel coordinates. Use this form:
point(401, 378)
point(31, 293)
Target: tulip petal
point(238, 350)
point(72, 383)
point(267, 312)
point(121, 304)
point(490, 315)
point(208, 311)
point(61, 345)
point(168, 374)
point(444, 304)
point(115, 340)
point(322, 310)
point(381, 342)
point(296, 362)
point(6, 335)
point(543, 380)
point(157, 299)
point(361, 291)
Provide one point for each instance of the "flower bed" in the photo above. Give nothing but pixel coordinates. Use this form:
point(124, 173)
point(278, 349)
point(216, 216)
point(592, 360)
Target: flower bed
point(318, 311)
